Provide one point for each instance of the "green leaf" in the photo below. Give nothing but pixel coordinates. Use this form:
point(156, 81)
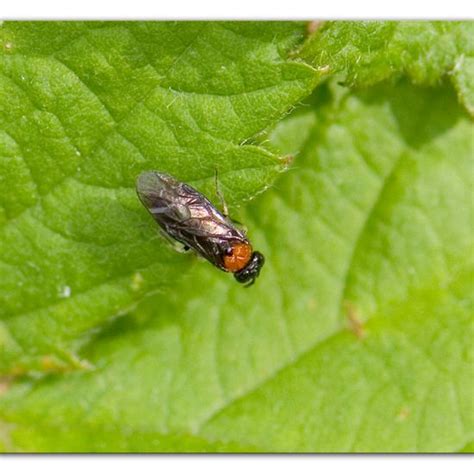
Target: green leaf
point(357, 335)
point(366, 53)
point(85, 107)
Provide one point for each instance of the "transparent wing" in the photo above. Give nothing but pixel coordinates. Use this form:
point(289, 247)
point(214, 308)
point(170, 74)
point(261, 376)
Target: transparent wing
point(162, 195)
point(187, 216)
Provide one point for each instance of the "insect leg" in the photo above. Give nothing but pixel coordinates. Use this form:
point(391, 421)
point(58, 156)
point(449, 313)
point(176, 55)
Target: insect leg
point(221, 197)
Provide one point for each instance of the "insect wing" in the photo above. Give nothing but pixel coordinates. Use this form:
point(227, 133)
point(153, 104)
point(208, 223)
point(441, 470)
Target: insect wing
point(162, 196)
point(187, 216)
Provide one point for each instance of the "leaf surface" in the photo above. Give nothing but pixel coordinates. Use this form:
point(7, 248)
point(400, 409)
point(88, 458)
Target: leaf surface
point(85, 107)
point(365, 53)
point(356, 337)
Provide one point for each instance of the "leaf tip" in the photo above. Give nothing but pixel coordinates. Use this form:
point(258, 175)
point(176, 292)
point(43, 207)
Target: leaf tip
point(286, 161)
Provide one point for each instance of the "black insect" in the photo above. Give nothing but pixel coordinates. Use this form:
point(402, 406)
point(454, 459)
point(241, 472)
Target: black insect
point(187, 216)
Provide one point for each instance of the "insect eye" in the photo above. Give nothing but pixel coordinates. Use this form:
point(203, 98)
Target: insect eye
point(229, 251)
